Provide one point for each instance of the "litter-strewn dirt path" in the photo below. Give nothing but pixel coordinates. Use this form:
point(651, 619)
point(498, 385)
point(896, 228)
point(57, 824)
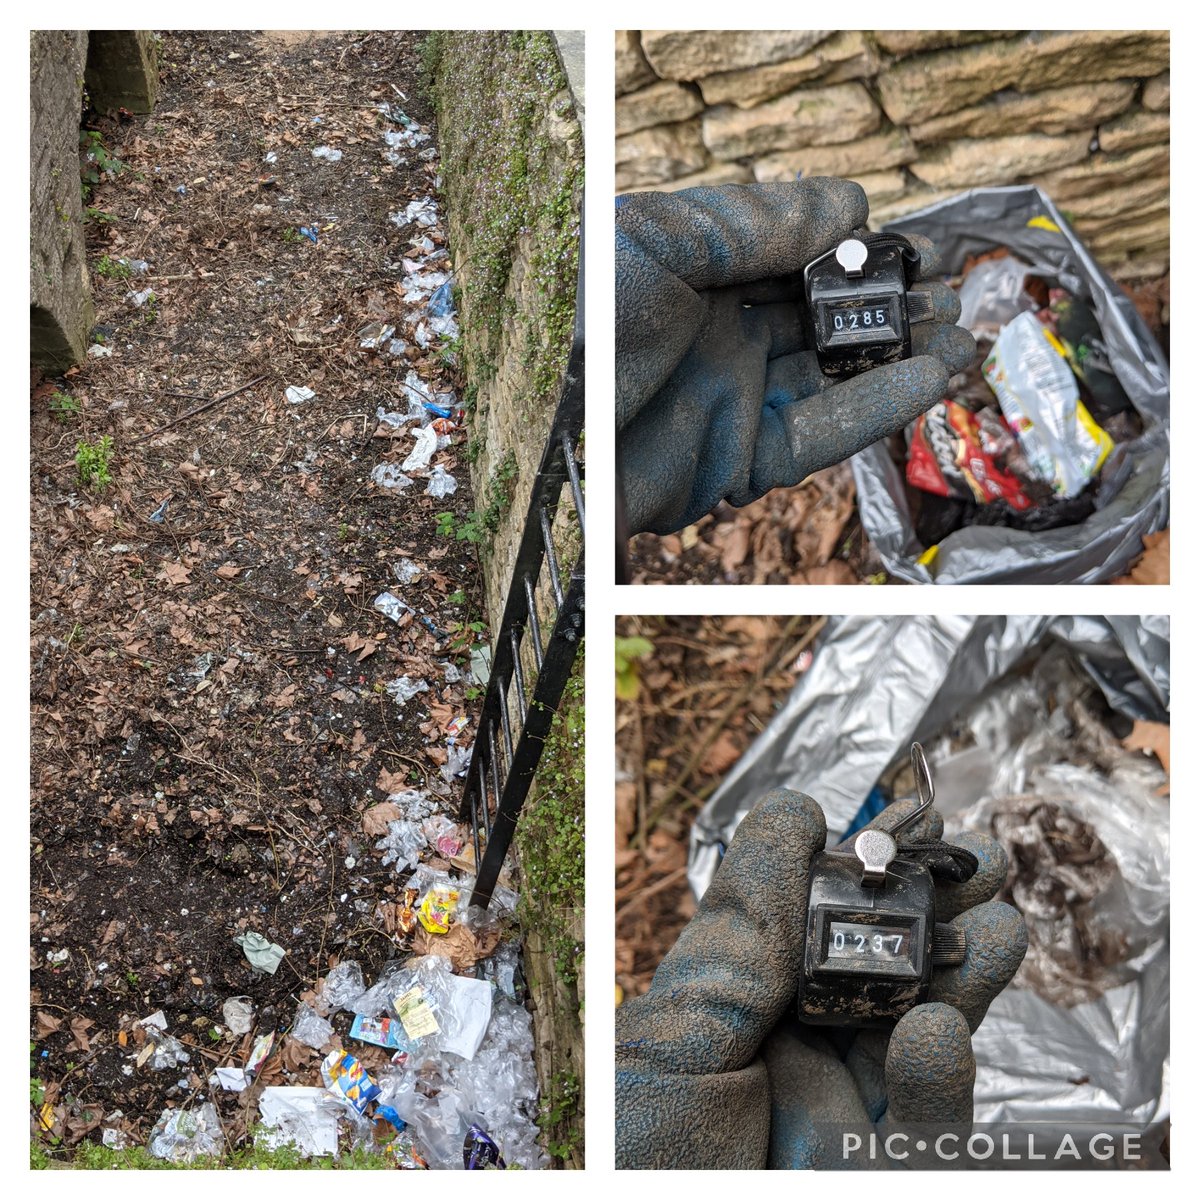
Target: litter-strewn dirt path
point(210, 716)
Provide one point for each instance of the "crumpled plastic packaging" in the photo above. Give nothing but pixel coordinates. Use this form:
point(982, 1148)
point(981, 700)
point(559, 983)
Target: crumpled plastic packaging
point(458, 759)
point(406, 571)
point(391, 606)
point(1040, 400)
point(168, 1052)
point(303, 1117)
point(993, 292)
point(441, 303)
point(390, 476)
point(238, 1012)
point(424, 212)
point(424, 449)
point(297, 395)
point(311, 1029)
point(372, 337)
point(262, 954)
point(441, 483)
point(397, 420)
point(404, 689)
point(343, 986)
point(404, 843)
point(348, 1080)
point(183, 1135)
point(497, 1089)
point(328, 153)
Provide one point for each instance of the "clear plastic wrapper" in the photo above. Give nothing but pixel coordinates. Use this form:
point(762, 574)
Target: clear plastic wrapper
point(441, 483)
point(390, 606)
point(184, 1135)
point(343, 986)
point(404, 689)
point(405, 842)
point(993, 292)
point(310, 1028)
point(168, 1053)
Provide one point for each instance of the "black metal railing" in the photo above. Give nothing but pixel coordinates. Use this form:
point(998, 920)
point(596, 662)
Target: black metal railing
point(522, 695)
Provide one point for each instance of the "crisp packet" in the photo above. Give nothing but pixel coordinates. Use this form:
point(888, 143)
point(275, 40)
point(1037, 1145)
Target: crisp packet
point(437, 908)
point(1028, 371)
point(345, 1078)
point(480, 1152)
point(260, 1052)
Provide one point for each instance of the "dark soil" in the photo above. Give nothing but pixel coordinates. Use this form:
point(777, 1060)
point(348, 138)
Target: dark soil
point(208, 713)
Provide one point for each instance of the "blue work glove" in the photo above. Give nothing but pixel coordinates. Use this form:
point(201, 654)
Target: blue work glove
point(717, 399)
point(713, 1070)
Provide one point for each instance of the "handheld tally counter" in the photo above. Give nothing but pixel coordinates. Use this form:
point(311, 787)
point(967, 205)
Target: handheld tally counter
point(871, 940)
point(859, 304)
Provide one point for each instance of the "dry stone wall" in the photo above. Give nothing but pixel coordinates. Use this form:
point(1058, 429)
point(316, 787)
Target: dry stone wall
point(914, 116)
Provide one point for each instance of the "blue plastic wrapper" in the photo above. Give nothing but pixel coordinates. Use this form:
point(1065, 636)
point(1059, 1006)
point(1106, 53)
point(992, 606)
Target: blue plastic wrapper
point(480, 1152)
point(441, 303)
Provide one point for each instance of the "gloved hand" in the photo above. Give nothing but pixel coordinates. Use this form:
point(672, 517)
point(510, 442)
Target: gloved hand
point(714, 1071)
point(716, 397)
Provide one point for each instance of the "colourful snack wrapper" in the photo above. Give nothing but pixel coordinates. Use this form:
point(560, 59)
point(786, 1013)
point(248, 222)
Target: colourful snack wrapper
point(345, 1078)
point(951, 455)
point(480, 1152)
point(260, 1053)
point(379, 1031)
point(437, 908)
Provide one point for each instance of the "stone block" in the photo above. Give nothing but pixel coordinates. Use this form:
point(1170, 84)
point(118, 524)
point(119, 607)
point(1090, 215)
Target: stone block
point(1133, 237)
point(691, 54)
point(657, 155)
point(1103, 173)
point(994, 161)
point(1156, 95)
point(851, 159)
point(712, 176)
point(633, 71)
point(662, 103)
point(1117, 202)
point(60, 306)
point(1056, 110)
point(1134, 130)
point(845, 56)
point(122, 70)
point(912, 200)
point(911, 41)
point(805, 117)
point(917, 89)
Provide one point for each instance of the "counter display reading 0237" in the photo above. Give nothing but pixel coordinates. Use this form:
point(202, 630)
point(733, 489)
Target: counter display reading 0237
point(848, 940)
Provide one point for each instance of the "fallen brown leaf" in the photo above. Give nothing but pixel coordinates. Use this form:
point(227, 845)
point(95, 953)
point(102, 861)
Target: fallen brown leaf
point(46, 1024)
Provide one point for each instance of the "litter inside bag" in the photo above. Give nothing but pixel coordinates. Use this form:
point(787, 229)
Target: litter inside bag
point(936, 525)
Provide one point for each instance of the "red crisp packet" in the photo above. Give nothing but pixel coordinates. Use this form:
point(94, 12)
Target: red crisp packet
point(948, 457)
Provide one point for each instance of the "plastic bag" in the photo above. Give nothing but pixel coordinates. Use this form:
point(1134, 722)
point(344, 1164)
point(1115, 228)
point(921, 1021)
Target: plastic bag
point(422, 451)
point(441, 484)
point(389, 475)
point(404, 842)
point(1106, 542)
point(1040, 400)
point(404, 689)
